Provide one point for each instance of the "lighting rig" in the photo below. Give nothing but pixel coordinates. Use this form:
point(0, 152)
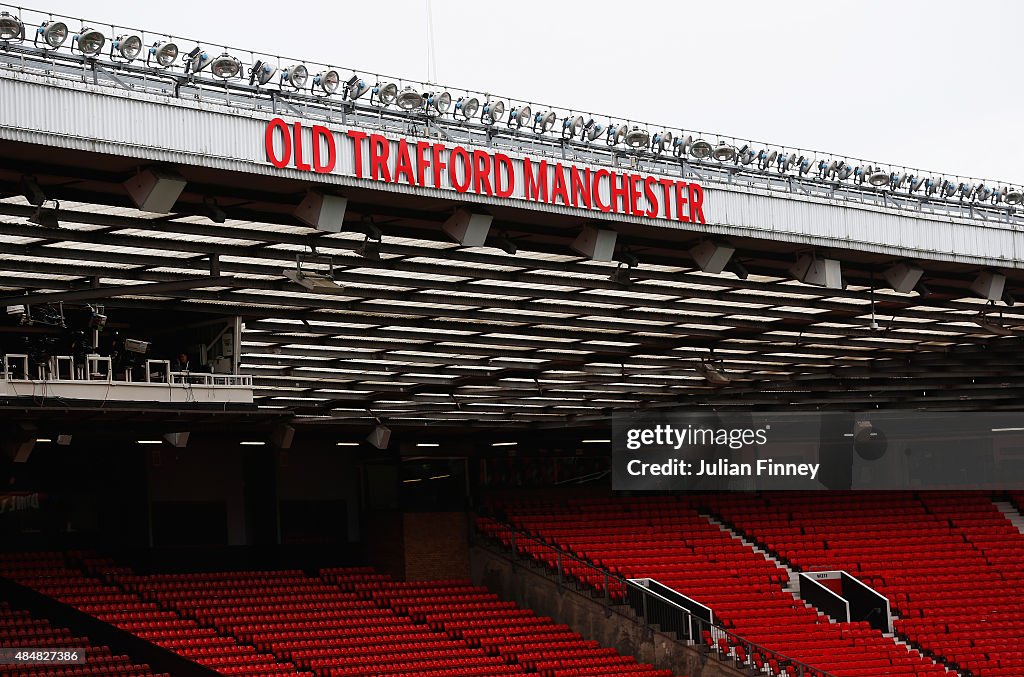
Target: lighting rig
point(323, 90)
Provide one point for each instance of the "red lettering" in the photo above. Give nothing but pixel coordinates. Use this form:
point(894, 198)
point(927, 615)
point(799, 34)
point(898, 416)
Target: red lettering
point(696, 203)
point(299, 162)
point(460, 153)
point(439, 164)
point(681, 201)
point(558, 188)
point(598, 175)
point(536, 184)
point(668, 185)
point(634, 194)
point(619, 193)
point(357, 147)
point(403, 163)
point(422, 162)
point(580, 186)
point(286, 143)
point(503, 167)
point(323, 137)
point(482, 173)
point(652, 199)
point(379, 150)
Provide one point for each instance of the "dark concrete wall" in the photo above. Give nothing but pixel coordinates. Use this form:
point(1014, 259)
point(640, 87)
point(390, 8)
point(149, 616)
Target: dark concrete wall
point(611, 626)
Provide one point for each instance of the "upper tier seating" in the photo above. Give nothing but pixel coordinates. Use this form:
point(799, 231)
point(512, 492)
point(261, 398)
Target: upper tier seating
point(666, 538)
point(951, 564)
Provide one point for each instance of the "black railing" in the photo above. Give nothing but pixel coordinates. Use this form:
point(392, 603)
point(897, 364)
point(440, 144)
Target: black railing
point(651, 607)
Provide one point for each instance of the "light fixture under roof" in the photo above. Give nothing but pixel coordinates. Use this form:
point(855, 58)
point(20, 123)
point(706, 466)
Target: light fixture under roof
point(225, 66)
point(128, 47)
point(53, 34)
point(89, 41)
point(467, 106)
point(295, 76)
point(11, 27)
point(164, 53)
point(409, 99)
point(327, 82)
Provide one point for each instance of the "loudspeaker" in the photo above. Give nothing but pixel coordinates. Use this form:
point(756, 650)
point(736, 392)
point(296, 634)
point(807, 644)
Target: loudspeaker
point(989, 285)
point(380, 437)
point(323, 212)
point(597, 243)
point(819, 272)
point(23, 449)
point(155, 189)
point(712, 257)
point(903, 277)
point(179, 440)
point(467, 228)
point(282, 435)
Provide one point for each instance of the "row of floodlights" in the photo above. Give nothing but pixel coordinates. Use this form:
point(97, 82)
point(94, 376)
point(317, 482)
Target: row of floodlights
point(90, 42)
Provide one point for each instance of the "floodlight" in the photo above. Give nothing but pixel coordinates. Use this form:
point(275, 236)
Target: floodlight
point(492, 112)
point(723, 152)
point(543, 122)
point(621, 276)
point(1013, 196)
point(878, 178)
point(164, 52)
point(369, 249)
point(914, 183)
point(804, 165)
point(440, 102)
point(355, 88)
point(386, 93)
point(467, 106)
point(616, 134)
point(571, 126)
point(11, 27)
point(196, 60)
point(745, 155)
point(844, 171)
point(54, 33)
point(947, 188)
point(592, 129)
point(89, 41)
point(46, 216)
point(661, 142)
point(409, 99)
point(261, 72)
point(701, 149)
point(930, 186)
point(225, 66)
point(297, 76)
point(711, 374)
point(519, 116)
point(637, 138)
point(33, 193)
point(785, 161)
point(128, 47)
point(966, 190)
point(982, 192)
point(896, 181)
point(327, 82)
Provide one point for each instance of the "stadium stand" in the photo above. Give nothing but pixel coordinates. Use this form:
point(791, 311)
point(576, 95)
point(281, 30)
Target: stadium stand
point(950, 564)
point(21, 629)
point(668, 539)
point(347, 622)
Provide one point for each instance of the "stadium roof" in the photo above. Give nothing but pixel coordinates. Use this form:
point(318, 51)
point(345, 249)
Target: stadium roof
point(433, 333)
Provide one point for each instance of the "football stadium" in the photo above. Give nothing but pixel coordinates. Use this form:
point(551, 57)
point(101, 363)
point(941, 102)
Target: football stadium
point(307, 371)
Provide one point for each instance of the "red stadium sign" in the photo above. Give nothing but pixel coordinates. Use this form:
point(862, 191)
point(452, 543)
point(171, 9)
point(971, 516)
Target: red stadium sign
point(426, 164)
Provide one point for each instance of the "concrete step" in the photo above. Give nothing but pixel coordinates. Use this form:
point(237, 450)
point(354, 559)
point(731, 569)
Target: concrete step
point(1012, 514)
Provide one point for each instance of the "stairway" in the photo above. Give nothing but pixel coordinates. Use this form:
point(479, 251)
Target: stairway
point(1012, 514)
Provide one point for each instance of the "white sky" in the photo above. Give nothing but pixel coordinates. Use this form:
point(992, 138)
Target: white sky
point(932, 84)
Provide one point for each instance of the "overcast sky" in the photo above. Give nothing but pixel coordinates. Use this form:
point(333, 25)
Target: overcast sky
point(932, 84)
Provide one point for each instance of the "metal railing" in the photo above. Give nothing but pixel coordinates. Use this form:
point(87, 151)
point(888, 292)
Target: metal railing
point(650, 607)
point(753, 164)
point(98, 369)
